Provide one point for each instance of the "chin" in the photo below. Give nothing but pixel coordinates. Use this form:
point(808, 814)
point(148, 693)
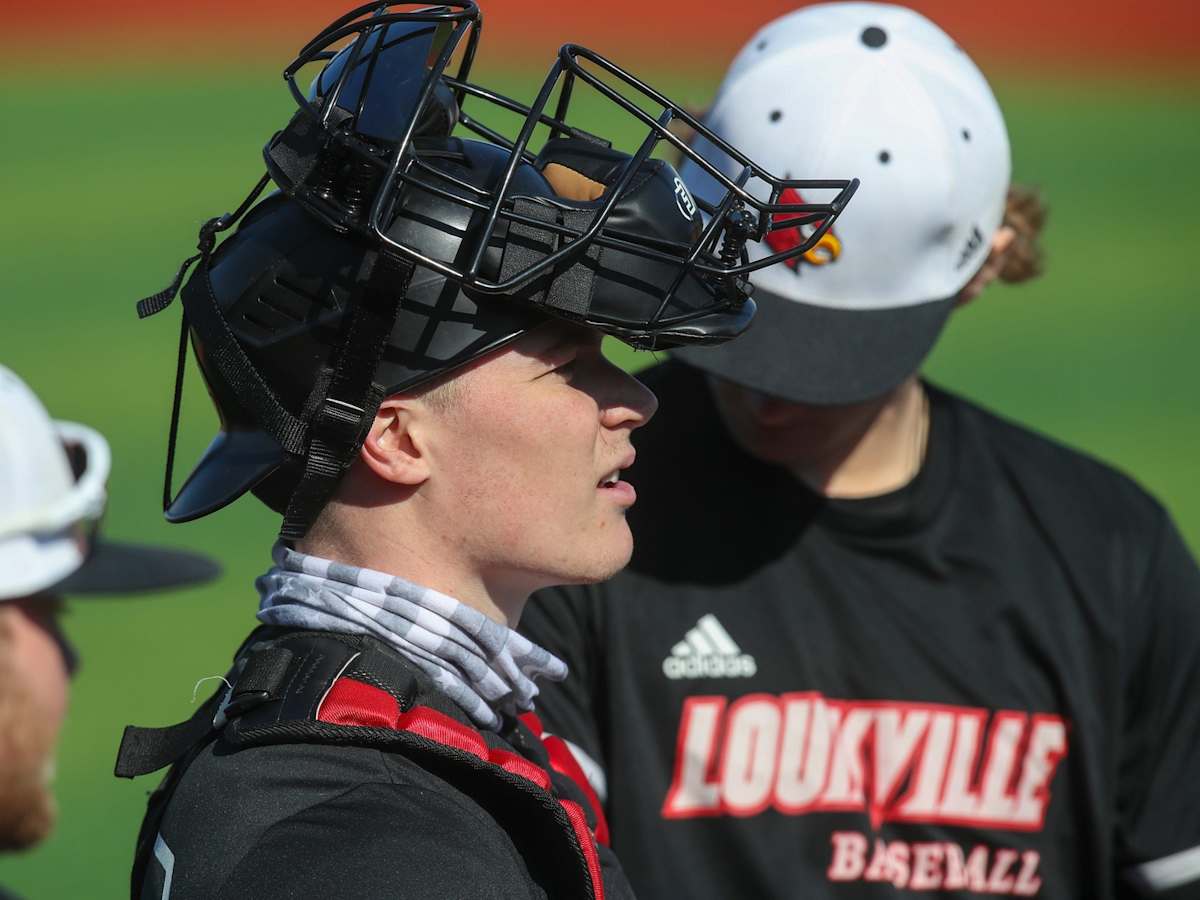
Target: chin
point(28, 810)
point(27, 739)
point(29, 816)
point(605, 561)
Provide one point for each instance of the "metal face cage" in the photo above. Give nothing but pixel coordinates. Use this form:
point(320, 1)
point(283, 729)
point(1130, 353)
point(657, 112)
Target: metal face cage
point(385, 87)
point(371, 153)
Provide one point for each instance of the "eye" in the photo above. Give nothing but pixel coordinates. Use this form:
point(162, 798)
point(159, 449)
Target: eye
point(563, 367)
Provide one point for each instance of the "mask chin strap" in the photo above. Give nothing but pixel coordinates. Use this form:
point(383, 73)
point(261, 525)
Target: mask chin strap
point(321, 443)
point(341, 418)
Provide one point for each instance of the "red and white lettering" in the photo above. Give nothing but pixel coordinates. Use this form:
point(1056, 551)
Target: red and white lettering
point(750, 754)
point(849, 856)
point(934, 866)
point(896, 762)
point(1047, 747)
point(959, 801)
point(898, 855)
point(691, 792)
point(920, 804)
point(1028, 882)
point(977, 869)
point(996, 801)
point(955, 877)
point(880, 868)
point(1001, 879)
point(845, 788)
point(808, 729)
point(926, 867)
point(897, 735)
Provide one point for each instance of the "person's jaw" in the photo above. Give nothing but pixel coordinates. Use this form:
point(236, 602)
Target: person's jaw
point(853, 450)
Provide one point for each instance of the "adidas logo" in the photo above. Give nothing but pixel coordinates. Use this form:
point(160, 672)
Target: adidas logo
point(707, 651)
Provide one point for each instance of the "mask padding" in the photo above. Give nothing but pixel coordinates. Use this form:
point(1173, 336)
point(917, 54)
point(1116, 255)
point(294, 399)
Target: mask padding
point(591, 160)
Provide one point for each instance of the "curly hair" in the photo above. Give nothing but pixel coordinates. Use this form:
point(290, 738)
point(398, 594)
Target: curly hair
point(1025, 213)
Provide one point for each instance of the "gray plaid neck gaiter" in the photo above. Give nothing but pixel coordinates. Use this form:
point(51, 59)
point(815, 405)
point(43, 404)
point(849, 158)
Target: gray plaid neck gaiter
point(483, 666)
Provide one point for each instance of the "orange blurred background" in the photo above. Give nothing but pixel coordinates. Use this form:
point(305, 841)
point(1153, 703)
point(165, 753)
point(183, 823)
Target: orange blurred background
point(1113, 36)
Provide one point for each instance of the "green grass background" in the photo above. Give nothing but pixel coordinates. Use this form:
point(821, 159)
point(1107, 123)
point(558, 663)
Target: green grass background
point(105, 176)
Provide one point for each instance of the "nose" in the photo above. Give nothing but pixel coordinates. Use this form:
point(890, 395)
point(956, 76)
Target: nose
point(628, 403)
point(754, 406)
point(768, 410)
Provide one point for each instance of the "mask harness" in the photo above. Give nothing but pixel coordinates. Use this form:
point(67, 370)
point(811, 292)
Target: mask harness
point(320, 443)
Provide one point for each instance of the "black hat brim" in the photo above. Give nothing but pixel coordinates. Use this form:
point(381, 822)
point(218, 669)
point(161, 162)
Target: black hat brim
point(234, 462)
point(821, 356)
point(114, 567)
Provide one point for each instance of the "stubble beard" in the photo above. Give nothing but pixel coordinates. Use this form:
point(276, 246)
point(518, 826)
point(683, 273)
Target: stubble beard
point(28, 810)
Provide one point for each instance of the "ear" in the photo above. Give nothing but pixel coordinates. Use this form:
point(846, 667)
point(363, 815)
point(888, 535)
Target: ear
point(1002, 242)
point(394, 449)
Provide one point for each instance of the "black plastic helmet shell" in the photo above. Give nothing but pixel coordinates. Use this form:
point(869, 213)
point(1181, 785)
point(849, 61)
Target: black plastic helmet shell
point(283, 281)
point(628, 287)
point(383, 89)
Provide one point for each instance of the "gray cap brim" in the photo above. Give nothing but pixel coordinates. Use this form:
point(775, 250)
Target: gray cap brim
point(812, 354)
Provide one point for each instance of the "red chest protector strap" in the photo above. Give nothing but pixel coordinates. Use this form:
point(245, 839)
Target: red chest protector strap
point(563, 761)
point(354, 703)
point(310, 687)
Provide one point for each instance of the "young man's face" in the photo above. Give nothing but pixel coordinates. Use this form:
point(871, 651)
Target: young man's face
point(524, 457)
point(790, 434)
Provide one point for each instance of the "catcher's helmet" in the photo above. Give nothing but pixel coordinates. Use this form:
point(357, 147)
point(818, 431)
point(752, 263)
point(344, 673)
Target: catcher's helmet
point(395, 252)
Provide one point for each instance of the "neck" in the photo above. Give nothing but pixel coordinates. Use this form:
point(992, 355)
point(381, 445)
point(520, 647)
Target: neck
point(383, 538)
point(869, 449)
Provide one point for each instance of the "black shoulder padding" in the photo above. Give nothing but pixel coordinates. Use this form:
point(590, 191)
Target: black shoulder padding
point(276, 687)
point(314, 661)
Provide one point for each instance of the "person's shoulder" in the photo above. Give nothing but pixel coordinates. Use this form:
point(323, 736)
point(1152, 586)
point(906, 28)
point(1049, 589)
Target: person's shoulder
point(329, 818)
point(1048, 471)
point(384, 839)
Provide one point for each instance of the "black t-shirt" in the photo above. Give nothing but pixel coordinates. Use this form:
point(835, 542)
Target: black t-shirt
point(987, 682)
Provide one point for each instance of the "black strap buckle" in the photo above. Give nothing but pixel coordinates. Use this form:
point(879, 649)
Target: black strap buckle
point(337, 420)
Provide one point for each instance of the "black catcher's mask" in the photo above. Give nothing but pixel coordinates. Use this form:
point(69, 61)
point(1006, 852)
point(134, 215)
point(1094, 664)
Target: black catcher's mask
point(395, 250)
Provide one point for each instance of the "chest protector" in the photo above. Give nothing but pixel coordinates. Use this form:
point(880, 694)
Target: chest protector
point(324, 688)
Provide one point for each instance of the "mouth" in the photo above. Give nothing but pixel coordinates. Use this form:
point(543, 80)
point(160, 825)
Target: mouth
point(613, 478)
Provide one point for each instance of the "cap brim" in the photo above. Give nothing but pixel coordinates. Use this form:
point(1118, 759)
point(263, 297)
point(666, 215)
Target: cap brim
point(234, 462)
point(119, 568)
point(812, 354)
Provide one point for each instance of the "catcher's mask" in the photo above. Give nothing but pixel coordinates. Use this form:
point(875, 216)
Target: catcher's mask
point(395, 251)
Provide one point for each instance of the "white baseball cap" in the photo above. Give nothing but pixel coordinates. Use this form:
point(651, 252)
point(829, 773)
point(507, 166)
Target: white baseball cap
point(52, 496)
point(881, 93)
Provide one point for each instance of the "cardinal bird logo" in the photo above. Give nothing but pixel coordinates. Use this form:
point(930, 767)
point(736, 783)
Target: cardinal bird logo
point(825, 251)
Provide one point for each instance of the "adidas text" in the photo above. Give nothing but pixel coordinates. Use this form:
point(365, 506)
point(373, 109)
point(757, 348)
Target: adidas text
point(707, 651)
